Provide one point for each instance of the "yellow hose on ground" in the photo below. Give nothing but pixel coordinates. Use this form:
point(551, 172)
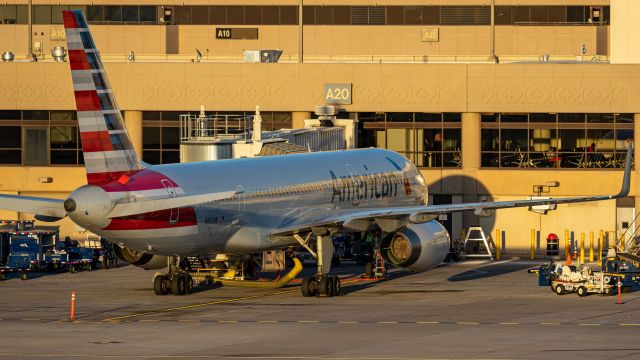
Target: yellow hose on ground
point(284, 280)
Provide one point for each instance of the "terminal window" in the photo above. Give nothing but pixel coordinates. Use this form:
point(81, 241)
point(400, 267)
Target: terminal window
point(312, 15)
point(39, 137)
point(546, 140)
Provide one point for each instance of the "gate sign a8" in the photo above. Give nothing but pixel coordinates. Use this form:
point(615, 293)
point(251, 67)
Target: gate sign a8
point(337, 94)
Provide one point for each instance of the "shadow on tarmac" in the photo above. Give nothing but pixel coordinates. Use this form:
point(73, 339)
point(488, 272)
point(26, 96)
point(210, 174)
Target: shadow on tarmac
point(31, 275)
point(489, 271)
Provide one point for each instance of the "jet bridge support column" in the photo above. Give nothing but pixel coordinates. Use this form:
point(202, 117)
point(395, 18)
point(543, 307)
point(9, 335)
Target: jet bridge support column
point(471, 161)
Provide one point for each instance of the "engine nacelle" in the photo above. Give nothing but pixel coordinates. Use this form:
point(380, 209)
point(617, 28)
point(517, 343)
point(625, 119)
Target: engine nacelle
point(417, 247)
point(139, 258)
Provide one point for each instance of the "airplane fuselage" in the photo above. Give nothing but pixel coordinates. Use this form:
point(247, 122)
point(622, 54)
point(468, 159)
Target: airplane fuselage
point(272, 193)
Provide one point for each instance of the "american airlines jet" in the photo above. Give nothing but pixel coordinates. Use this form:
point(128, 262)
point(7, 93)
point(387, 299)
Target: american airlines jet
point(157, 214)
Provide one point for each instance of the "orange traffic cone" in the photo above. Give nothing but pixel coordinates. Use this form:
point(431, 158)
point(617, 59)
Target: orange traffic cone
point(568, 258)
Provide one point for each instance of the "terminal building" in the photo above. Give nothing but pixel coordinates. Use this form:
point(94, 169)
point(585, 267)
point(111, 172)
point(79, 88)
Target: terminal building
point(491, 102)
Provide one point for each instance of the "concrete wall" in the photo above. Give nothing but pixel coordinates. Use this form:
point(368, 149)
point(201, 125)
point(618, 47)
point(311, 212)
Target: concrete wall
point(600, 88)
point(625, 32)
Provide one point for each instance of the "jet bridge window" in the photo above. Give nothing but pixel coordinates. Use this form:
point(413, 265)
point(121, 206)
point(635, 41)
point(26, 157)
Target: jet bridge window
point(427, 139)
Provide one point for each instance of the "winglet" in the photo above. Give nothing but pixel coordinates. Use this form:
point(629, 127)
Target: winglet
point(626, 180)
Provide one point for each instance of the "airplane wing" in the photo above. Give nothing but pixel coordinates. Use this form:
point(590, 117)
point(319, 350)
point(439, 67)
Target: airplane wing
point(424, 213)
point(145, 206)
point(33, 205)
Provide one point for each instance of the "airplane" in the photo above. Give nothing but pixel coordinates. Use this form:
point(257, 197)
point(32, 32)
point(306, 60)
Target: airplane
point(156, 214)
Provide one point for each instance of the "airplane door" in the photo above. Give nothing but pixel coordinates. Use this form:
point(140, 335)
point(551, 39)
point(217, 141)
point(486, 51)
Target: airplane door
point(355, 182)
point(175, 213)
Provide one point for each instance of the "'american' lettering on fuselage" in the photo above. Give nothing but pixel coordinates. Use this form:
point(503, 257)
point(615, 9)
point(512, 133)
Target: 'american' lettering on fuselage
point(368, 186)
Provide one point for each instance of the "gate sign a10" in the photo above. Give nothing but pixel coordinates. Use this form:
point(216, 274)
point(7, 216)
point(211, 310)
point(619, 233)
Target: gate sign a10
point(337, 94)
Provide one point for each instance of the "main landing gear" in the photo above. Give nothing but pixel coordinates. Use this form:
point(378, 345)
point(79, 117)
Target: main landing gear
point(322, 283)
point(176, 281)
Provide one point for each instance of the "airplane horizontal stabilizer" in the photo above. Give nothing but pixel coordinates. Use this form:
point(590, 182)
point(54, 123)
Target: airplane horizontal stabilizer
point(146, 206)
point(51, 208)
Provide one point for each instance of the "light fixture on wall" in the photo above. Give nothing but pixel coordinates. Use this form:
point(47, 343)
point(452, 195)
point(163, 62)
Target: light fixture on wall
point(45, 180)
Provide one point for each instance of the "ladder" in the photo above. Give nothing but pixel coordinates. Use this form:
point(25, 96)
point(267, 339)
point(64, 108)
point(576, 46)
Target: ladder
point(476, 245)
point(379, 269)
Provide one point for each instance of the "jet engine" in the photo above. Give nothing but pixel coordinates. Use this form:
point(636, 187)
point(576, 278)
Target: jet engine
point(139, 258)
point(417, 247)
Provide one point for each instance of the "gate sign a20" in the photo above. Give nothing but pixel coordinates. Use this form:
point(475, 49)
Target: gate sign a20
point(337, 94)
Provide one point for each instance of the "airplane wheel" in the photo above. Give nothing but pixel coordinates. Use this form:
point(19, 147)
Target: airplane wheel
point(3, 276)
point(188, 284)
point(560, 289)
point(336, 287)
point(582, 291)
point(177, 285)
point(181, 284)
point(324, 286)
point(24, 276)
point(308, 286)
point(160, 285)
point(72, 269)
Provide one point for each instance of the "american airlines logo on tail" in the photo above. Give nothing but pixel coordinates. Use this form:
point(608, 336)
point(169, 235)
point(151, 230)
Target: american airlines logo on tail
point(108, 153)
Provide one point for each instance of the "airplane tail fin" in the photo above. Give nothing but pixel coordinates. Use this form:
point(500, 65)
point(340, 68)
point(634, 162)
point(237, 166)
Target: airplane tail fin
point(108, 151)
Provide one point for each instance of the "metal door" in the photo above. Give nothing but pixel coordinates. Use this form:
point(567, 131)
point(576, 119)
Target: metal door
point(36, 141)
point(175, 213)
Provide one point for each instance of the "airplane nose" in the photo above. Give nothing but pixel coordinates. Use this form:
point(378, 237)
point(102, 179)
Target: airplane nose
point(70, 205)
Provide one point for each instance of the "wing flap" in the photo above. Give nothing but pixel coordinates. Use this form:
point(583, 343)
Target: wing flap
point(33, 205)
point(145, 206)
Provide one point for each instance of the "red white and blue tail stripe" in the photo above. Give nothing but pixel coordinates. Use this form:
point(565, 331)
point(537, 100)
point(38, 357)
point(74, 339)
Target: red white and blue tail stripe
point(108, 152)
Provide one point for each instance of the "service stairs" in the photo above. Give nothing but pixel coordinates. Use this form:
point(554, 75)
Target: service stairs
point(629, 250)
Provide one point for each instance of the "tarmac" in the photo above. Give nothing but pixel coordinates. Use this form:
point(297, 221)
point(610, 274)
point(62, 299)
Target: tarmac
point(474, 309)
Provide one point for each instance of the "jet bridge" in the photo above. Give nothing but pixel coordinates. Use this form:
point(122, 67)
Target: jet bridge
point(212, 136)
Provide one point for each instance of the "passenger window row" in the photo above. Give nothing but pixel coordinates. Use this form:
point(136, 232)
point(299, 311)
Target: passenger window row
point(288, 190)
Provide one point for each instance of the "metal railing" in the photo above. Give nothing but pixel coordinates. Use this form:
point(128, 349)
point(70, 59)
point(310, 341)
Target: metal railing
point(205, 128)
point(352, 59)
point(629, 241)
